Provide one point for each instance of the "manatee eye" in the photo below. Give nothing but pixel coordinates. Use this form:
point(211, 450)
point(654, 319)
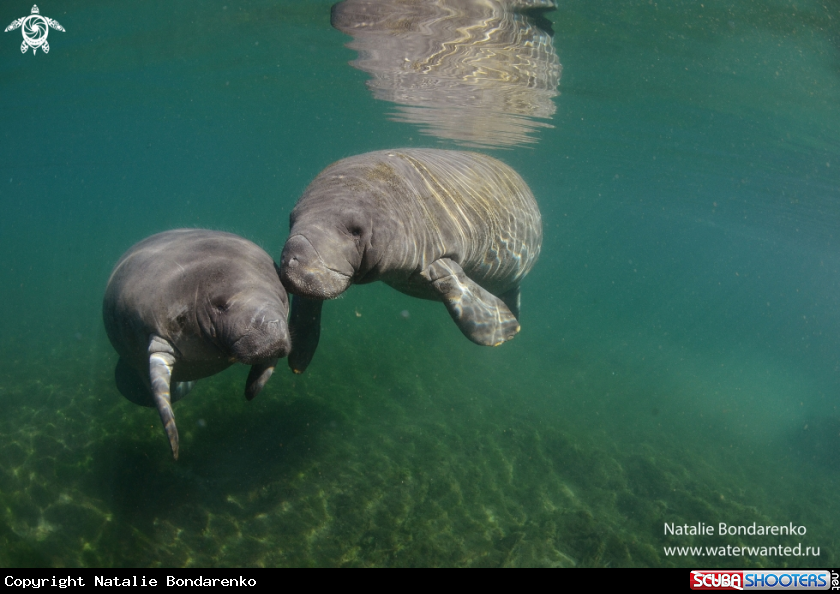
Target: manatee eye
point(221, 305)
point(355, 231)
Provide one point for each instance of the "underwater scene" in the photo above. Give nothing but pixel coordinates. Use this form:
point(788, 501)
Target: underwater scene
point(670, 399)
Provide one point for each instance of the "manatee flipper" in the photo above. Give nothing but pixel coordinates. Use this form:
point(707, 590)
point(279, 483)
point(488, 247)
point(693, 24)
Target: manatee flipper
point(305, 330)
point(134, 387)
point(257, 378)
point(481, 316)
point(161, 362)
point(131, 384)
point(181, 389)
point(511, 299)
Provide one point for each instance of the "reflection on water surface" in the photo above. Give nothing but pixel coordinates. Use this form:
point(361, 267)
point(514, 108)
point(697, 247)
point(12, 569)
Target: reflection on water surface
point(475, 71)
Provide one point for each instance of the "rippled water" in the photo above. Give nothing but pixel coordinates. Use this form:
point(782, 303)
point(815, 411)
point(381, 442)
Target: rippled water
point(678, 359)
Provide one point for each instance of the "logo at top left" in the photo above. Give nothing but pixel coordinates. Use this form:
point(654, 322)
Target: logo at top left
point(35, 29)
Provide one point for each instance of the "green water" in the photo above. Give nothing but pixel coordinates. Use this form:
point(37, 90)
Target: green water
point(679, 354)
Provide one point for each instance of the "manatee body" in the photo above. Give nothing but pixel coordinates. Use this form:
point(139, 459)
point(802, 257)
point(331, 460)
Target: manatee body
point(457, 227)
point(186, 304)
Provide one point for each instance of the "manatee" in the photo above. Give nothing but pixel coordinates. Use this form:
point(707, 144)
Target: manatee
point(186, 304)
point(457, 227)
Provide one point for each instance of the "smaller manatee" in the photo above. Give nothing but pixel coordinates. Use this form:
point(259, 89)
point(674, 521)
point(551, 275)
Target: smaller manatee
point(186, 304)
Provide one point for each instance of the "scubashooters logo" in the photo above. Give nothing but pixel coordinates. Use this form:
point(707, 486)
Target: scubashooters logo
point(35, 29)
point(760, 580)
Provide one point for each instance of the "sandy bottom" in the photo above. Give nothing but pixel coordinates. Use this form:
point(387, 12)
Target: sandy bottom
point(402, 466)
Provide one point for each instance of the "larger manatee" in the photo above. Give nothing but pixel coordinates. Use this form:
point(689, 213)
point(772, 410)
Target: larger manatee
point(186, 304)
point(457, 227)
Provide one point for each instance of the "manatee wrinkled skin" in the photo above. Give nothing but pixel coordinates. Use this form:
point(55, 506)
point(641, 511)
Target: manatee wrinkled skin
point(457, 227)
point(186, 304)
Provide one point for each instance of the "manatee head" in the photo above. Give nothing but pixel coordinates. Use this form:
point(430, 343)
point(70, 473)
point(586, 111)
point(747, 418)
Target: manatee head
point(331, 244)
point(246, 316)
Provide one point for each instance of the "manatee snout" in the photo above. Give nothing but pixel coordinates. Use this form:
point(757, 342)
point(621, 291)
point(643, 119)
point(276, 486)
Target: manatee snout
point(267, 338)
point(304, 271)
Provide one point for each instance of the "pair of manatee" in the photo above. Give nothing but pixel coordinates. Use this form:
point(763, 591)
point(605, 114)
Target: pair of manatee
point(457, 227)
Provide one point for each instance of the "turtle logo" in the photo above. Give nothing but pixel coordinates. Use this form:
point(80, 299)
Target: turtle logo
point(35, 28)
